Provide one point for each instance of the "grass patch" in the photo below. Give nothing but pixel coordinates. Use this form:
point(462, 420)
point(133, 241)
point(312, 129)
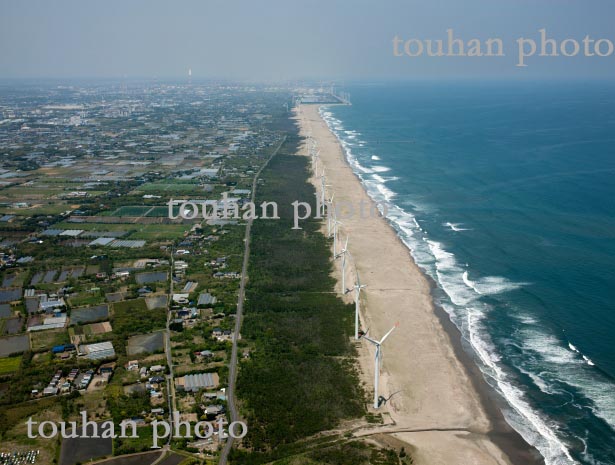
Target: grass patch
point(143, 443)
point(43, 340)
point(153, 232)
point(9, 365)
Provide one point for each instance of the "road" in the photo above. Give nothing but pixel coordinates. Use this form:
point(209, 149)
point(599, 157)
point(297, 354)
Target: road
point(167, 345)
point(232, 377)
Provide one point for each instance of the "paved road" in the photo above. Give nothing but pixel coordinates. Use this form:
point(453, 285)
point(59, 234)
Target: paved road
point(167, 336)
point(230, 392)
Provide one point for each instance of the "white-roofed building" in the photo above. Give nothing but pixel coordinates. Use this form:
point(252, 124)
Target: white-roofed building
point(97, 351)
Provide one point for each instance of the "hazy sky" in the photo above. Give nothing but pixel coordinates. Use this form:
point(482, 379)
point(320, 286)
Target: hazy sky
point(287, 39)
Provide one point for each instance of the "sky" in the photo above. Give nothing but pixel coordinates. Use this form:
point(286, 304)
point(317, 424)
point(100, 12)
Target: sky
point(273, 40)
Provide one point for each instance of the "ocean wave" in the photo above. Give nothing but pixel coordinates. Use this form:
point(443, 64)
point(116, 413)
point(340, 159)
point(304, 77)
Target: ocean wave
point(541, 434)
point(383, 180)
point(378, 191)
point(380, 169)
point(455, 226)
point(375, 157)
point(569, 366)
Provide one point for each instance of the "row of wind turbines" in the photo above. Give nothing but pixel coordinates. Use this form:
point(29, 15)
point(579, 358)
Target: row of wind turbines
point(328, 211)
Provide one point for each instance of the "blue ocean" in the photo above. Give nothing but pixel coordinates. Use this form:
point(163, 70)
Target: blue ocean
point(504, 194)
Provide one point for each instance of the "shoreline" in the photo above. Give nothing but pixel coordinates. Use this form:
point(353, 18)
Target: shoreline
point(445, 416)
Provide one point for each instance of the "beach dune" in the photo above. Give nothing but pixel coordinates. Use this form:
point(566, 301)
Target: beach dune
point(435, 403)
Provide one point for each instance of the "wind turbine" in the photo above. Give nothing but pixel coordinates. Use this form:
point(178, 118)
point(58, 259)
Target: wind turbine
point(378, 360)
point(335, 223)
point(357, 299)
point(343, 253)
point(330, 212)
point(322, 191)
point(315, 159)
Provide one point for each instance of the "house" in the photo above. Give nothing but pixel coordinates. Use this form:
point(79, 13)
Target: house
point(156, 368)
point(132, 365)
point(217, 332)
point(212, 411)
point(50, 391)
point(106, 368)
point(181, 298)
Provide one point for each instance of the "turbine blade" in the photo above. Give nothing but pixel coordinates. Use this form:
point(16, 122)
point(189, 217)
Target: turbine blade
point(376, 343)
point(389, 333)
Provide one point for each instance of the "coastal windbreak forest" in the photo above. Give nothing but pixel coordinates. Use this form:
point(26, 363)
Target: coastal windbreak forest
point(300, 377)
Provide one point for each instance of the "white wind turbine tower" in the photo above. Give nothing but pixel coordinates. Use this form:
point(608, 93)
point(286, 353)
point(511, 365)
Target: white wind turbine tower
point(377, 362)
point(330, 212)
point(322, 191)
point(315, 158)
point(335, 223)
point(357, 299)
point(343, 253)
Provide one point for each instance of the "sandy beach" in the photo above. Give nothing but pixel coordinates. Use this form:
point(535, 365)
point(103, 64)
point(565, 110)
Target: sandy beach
point(438, 404)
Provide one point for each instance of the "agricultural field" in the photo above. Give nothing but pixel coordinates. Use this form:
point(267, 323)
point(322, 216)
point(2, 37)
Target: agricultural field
point(160, 232)
point(148, 458)
point(39, 208)
point(131, 211)
point(88, 333)
point(45, 340)
point(89, 314)
point(168, 189)
point(80, 450)
point(9, 365)
point(132, 317)
point(157, 301)
point(145, 343)
point(14, 345)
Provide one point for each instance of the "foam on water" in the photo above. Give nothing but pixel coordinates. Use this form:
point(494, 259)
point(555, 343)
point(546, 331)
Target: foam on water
point(541, 434)
point(570, 367)
point(455, 227)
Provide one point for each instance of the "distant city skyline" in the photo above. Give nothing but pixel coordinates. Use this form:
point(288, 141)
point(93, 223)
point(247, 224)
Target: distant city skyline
point(280, 40)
